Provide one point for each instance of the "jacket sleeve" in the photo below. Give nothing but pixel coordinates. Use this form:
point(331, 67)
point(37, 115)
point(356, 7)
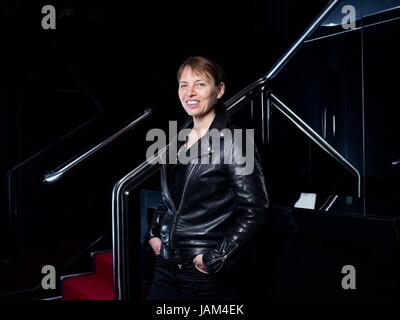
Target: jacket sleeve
point(155, 225)
point(251, 206)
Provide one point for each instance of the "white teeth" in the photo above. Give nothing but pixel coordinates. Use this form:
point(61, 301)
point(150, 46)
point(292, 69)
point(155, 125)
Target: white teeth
point(192, 102)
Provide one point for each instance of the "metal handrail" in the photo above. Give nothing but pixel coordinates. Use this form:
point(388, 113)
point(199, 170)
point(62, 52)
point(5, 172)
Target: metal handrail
point(328, 202)
point(136, 175)
point(70, 164)
point(119, 197)
point(233, 103)
point(293, 49)
point(283, 60)
point(305, 128)
point(140, 173)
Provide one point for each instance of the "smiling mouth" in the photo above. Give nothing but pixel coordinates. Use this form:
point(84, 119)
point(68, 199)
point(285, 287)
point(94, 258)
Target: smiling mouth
point(192, 103)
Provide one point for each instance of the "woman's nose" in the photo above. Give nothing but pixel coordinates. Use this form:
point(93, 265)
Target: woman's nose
point(191, 91)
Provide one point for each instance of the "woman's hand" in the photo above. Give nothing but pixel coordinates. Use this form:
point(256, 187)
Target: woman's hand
point(198, 263)
point(155, 244)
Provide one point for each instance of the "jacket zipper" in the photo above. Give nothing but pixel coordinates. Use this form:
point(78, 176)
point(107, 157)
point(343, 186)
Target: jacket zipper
point(177, 213)
point(171, 237)
point(224, 257)
point(167, 188)
point(185, 186)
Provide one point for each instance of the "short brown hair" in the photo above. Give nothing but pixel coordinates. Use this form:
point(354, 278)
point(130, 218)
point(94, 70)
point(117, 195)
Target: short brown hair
point(206, 65)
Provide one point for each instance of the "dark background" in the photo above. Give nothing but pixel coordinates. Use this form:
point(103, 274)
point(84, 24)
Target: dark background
point(128, 53)
point(113, 59)
point(64, 90)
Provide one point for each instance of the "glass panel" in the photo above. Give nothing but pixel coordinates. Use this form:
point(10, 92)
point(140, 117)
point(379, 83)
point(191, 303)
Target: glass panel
point(60, 223)
point(53, 223)
point(42, 100)
point(303, 175)
point(371, 7)
point(375, 12)
point(140, 197)
point(381, 70)
point(339, 19)
point(322, 84)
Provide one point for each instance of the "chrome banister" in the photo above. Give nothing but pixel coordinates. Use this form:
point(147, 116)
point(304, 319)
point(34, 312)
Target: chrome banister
point(67, 166)
point(120, 273)
point(305, 128)
point(119, 196)
point(289, 53)
point(328, 203)
point(232, 102)
point(244, 93)
point(142, 172)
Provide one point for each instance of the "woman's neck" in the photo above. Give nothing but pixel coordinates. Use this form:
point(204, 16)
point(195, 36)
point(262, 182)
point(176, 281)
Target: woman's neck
point(203, 123)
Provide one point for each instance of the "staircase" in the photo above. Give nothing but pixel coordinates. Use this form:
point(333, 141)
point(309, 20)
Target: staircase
point(91, 286)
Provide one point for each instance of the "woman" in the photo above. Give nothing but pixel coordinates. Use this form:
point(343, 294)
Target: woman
point(210, 209)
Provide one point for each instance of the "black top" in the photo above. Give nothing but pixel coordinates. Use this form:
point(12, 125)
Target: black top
point(178, 176)
point(178, 172)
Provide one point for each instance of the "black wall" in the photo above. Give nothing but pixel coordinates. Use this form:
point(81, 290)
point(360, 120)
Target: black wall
point(110, 60)
point(119, 57)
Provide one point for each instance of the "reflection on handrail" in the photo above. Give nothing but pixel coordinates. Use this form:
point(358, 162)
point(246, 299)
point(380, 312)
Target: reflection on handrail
point(286, 57)
point(231, 103)
point(328, 203)
point(64, 168)
point(316, 138)
point(234, 103)
point(119, 221)
point(395, 162)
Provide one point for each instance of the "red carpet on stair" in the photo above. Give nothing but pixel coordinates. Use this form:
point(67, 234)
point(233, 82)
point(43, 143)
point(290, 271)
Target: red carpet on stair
point(95, 286)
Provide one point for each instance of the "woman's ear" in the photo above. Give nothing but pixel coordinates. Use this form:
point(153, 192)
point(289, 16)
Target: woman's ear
point(220, 90)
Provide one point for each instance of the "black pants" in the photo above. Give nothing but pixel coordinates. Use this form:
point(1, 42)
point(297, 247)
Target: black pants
point(185, 282)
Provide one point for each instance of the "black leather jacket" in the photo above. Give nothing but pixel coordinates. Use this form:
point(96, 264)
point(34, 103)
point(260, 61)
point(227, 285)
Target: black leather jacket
point(220, 209)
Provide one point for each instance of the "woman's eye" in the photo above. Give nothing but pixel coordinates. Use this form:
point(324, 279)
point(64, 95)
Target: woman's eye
point(183, 86)
point(201, 84)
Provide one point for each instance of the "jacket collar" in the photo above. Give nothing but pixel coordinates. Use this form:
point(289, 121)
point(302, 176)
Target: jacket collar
point(219, 122)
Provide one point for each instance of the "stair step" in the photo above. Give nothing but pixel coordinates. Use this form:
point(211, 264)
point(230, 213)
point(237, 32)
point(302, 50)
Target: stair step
point(104, 265)
point(92, 286)
point(88, 287)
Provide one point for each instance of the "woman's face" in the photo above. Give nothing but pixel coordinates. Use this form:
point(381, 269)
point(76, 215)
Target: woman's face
point(198, 92)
